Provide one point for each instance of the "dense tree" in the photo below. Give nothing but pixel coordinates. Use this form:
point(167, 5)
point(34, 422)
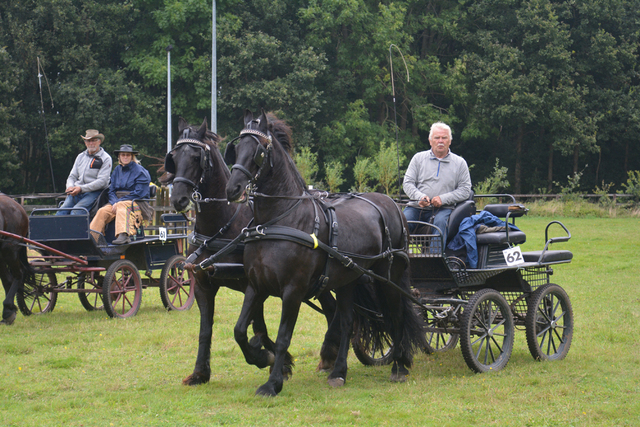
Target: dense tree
point(549, 87)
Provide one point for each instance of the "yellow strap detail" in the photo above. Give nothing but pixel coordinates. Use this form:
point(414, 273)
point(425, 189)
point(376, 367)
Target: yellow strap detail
point(315, 241)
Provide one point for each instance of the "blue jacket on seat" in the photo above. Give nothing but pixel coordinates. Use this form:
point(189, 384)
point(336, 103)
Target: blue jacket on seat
point(466, 236)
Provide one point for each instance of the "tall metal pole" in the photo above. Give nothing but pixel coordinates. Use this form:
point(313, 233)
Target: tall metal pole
point(169, 97)
point(214, 60)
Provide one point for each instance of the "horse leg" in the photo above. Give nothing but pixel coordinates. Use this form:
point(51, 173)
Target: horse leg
point(253, 353)
point(11, 286)
point(290, 309)
point(261, 338)
point(329, 350)
point(344, 297)
point(206, 299)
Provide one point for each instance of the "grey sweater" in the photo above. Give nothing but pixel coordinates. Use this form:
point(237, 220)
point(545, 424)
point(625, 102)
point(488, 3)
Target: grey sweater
point(429, 176)
point(91, 173)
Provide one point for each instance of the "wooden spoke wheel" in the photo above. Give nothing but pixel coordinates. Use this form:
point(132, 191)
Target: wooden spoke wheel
point(177, 285)
point(122, 289)
point(90, 300)
point(39, 297)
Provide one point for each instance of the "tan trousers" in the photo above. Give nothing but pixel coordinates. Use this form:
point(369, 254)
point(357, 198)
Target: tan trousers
point(128, 218)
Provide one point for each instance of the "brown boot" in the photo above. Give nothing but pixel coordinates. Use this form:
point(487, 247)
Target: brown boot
point(121, 239)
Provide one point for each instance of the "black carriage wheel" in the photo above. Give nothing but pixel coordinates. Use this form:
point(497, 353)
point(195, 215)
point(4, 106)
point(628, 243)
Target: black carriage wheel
point(549, 323)
point(122, 289)
point(40, 298)
point(373, 356)
point(90, 301)
point(177, 285)
point(486, 331)
point(438, 342)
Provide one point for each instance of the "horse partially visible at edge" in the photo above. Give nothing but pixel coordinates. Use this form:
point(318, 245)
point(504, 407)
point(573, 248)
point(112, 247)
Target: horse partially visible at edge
point(197, 170)
point(287, 253)
point(14, 264)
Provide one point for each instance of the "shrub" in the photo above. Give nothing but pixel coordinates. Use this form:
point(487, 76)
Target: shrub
point(333, 172)
point(307, 164)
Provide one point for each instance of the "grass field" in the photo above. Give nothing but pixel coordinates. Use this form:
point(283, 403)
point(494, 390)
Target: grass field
point(76, 368)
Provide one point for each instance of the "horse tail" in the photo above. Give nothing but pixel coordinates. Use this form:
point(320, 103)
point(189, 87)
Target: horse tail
point(413, 336)
point(374, 316)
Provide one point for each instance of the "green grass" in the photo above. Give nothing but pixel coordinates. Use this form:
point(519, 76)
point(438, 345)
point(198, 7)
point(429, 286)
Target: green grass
point(76, 368)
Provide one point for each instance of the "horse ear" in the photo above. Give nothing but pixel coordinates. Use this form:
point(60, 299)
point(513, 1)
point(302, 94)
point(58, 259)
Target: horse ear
point(230, 154)
point(203, 129)
point(182, 124)
point(248, 117)
point(264, 123)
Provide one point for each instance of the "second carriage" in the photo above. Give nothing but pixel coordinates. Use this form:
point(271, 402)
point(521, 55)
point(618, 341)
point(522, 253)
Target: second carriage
point(103, 275)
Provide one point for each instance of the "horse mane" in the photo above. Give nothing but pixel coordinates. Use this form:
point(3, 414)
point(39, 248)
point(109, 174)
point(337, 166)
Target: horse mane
point(281, 131)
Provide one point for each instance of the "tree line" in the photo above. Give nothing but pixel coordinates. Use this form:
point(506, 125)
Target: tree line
point(546, 89)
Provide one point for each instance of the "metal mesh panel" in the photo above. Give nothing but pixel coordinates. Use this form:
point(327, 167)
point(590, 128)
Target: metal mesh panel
point(536, 276)
point(425, 246)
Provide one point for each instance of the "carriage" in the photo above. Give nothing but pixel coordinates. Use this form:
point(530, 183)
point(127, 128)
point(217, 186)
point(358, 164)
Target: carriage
point(481, 307)
point(103, 275)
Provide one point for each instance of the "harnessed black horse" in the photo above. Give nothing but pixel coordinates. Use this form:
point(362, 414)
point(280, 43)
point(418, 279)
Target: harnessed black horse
point(296, 251)
point(14, 265)
point(199, 175)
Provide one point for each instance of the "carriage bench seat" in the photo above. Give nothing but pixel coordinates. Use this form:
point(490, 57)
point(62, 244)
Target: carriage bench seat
point(514, 210)
point(500, 237)
point(548, 257)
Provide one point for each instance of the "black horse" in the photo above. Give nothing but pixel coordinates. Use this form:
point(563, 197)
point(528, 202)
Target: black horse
point(199, 174)
point(304, 244)
point(14, 265)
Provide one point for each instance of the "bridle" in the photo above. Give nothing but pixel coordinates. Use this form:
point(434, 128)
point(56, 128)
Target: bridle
point(206, 163)
point(263, 153)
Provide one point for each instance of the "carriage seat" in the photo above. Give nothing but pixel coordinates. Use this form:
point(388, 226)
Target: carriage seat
point(548, 257)
point(461, 211)
point(505, 211)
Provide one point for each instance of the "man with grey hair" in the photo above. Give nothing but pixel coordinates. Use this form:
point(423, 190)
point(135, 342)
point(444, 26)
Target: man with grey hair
point(90, 175)
point(435, 181)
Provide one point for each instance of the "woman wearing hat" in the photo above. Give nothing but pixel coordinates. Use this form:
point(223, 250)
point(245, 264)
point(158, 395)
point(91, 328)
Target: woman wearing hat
point(129, 181)
point(89, 175)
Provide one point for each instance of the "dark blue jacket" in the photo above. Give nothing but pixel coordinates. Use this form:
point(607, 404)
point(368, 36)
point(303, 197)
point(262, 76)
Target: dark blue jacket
point(133, 178)
point(466, 236)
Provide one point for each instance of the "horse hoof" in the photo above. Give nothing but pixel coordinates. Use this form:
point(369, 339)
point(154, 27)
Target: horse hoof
point(399, 378)
point(195, 379)
point(266, 392)
point(324, 366)
point(9, 320)
point(336, 382)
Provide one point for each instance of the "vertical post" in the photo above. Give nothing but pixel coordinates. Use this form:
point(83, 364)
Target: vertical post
point(169, 97)
point(214, 60)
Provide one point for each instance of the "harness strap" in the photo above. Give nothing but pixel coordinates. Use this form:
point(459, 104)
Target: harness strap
point(281, 232)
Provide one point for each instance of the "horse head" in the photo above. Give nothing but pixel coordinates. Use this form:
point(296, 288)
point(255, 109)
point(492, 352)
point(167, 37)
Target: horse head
point(253, 154)
point(190, 161)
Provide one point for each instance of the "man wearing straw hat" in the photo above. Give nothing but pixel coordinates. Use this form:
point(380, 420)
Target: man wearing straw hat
point(89, 175)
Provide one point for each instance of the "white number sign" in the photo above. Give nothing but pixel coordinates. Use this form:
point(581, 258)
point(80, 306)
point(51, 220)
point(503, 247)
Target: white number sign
point(513, 256)
point(163, 234)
